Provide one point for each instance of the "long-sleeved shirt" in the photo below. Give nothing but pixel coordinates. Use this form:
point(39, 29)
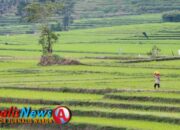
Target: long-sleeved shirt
point(157, 79)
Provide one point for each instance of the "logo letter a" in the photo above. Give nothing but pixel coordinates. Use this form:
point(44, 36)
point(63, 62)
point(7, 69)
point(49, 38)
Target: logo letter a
point(61, 114)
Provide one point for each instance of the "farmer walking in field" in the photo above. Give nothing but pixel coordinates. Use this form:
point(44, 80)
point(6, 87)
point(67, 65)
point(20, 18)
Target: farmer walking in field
point(157, 79)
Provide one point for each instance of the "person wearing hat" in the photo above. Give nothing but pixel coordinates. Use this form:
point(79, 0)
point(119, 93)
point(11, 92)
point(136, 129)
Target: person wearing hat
point(157, 79)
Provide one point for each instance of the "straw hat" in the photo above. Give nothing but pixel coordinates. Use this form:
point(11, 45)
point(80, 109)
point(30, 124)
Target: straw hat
point(156, 73)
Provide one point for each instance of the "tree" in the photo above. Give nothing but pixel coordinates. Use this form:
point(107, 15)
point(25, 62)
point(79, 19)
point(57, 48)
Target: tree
point(20, 7)
point(47, 39)
point(6, 6)
point(67, 13)
point(40, 13)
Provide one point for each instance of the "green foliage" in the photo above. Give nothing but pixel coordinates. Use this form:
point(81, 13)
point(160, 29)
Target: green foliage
point(7, 5)
point(172, 16)
point(56, 27)
point(106, 8)
point(47, 39)
point(20, 7)
point(38, 12)
point(67, 12)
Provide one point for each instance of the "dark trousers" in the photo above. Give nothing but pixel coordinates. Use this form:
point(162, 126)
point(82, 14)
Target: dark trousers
point(156, 85)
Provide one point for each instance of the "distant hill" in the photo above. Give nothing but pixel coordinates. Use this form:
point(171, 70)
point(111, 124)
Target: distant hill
point(109, 8)
point(93, 14)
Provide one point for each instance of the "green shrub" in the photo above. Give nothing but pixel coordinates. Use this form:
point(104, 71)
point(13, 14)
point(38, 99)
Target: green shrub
point(172, 16)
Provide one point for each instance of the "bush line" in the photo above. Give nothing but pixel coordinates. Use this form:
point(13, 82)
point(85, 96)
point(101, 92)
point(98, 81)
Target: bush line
point(150, 60)
point(82, 90)
point(143, 98)
point(70, 126)
point(122, 115)
point(127, 116)
point(87, 103)
point(63, 89)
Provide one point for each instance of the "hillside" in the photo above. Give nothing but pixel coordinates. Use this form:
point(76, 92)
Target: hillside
point(93, 14)
point(109, 8)
point(116, 20)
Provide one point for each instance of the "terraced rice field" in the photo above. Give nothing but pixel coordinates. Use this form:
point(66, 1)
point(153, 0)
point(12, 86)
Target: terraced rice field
point(103, 93)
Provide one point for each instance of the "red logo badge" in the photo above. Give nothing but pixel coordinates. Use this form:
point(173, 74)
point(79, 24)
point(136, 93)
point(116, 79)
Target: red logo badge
point(62, 115)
